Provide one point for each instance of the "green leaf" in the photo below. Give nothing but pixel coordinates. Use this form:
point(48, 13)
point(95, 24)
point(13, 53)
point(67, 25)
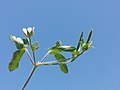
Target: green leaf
point(26, 42)
point(90, 34)
point(54, 48)
point(57, 44)
point(58, 48)
point(14, 63)
point(80, 39)
point(35, 46)
point(54, 51)
point(66, 48)
point(63, 67)
point(62, 49)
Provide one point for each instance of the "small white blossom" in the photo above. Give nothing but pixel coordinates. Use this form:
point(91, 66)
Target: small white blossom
point(19, 40)
point(28, 31)
point(13, 38)
point(16, 40)
point(25, 31)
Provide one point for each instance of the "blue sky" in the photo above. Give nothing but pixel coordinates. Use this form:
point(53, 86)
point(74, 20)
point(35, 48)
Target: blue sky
point(97, 69)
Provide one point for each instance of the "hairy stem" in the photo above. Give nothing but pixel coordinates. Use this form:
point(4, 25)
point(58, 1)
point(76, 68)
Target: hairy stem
point(29, 77)
point(34, 57)
point(63, 61)
point(29, 56)
point(32, 50)
point(45, 56)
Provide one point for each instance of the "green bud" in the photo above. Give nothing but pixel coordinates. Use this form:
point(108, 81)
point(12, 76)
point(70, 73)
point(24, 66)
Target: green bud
point(75, 53)
point(85, 47)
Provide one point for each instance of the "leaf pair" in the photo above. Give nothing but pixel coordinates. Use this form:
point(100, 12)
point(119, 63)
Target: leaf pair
point(84, 45)
point(59, 48)
point(56, 49)
point(63, 67)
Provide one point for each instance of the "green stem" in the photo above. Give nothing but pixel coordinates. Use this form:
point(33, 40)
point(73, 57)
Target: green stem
point(63, 61)
point(77, 56)
point(29, 56)
point(29, 77)
point(34, 57)
point(45, 56)
point(30, 42)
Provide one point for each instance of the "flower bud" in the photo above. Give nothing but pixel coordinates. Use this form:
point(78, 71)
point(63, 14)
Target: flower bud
point(86, 46)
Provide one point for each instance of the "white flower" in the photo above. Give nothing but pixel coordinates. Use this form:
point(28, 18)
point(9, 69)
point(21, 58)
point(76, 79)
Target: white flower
point(28, 31)
point(19, 40)
point(19, 43)
point(16, 40)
